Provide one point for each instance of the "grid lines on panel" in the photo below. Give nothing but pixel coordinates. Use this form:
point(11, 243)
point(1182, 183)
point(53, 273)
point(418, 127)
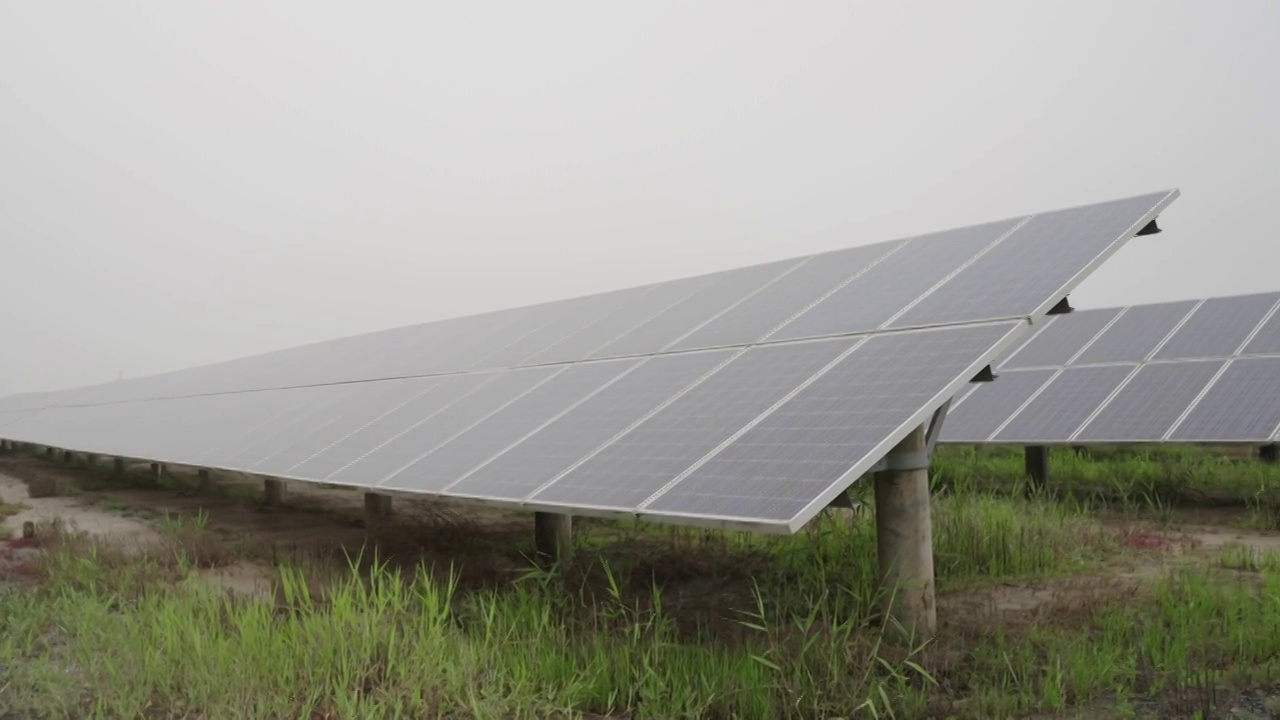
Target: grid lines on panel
point(1151, 402)
point(553, 449)
point(765, 311)
point(1136, 333)
point(450, 461)
point(1218, 327)
point(1243, 405)
point(400, 450)
point(1061, 339)
point(639, 463)
point(795, 454)
point(991, 403)
point(886, 288)
point(1046, 254)
point(1064, 404)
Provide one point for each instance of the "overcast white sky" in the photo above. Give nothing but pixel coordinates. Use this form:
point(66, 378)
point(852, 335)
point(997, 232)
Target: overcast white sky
point(185, 182)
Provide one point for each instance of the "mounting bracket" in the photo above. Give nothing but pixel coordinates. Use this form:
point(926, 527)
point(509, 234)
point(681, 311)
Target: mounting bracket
point(1062, 307)
point(1150, 228)
point(986, 374)
point(916, 460)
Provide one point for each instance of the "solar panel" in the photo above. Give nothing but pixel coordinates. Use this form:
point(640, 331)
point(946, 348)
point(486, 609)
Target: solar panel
point(1151, 402)
point(1051, 249)
point(744, 398)
point(1185, 378)
point(549, 451)
point(1061, 339)
point(1267, 339)
point(977, 421)
point(796, 458)
point(758, 315)
point(1063, 405)
point(1135, 334)
point(1218, 327)
point(1242, 405)
point(888, 286)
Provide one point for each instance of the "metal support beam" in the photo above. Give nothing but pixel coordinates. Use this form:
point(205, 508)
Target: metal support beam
point(1269, 453)
point(553, 538)
point(904, 540)
point(1037, 464)
point(272, 492)
point(377, 508)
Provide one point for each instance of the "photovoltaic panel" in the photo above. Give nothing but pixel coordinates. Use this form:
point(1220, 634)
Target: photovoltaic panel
point(314, 408)
point(445, 392)
point(551, 450)
point(449, 462)
point(1063, 405)
point(1267, 341)
point(729, 288)
point(976, 421)
point(785, 467)
point(1151, 402)
point(1218, 327)
point(444, 406)
point(883, 290)
point(1052, 249)
point(493, 392)
point(571, 316)
point(638, 464)
point(1243, 405)
point(1061, 338)
point(660, 298)
point(370, 402)
point(763, 312)
point(1137, 332)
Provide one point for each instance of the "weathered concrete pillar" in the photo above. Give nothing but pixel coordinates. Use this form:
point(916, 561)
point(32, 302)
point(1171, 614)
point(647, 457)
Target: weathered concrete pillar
point(904, 539)
point(1269, 453)
point(117, 467)
point(553, 538)
point(1037, 464)
point(377, 508)
point(272, 492)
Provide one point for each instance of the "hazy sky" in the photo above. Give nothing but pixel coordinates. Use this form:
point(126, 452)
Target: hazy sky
point(185, 182)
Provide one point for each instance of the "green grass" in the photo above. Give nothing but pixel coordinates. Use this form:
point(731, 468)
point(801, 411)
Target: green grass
point(660, 622)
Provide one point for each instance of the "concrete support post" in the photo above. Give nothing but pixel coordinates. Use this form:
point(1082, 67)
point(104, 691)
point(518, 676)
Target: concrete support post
point(1037, 464)
point(377, 508)
point(117, 467)
point(553, 538)
point(904, 539)
point(1269, 453)
point(272, 492)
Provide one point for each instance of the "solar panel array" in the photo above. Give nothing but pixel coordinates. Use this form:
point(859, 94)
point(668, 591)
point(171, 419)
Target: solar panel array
point(746, 398)
point(1192, 371)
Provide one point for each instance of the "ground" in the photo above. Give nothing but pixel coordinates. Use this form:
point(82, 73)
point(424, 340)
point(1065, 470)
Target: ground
point(1023, 584)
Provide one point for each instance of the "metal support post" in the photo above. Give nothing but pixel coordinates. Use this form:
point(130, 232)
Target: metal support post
point(377, 508)
point(272, 492)
point(202, 478)
point(117, 467)
point(1269, 453)
point(553, 538)
point(1037, 464)
point(904, 537)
